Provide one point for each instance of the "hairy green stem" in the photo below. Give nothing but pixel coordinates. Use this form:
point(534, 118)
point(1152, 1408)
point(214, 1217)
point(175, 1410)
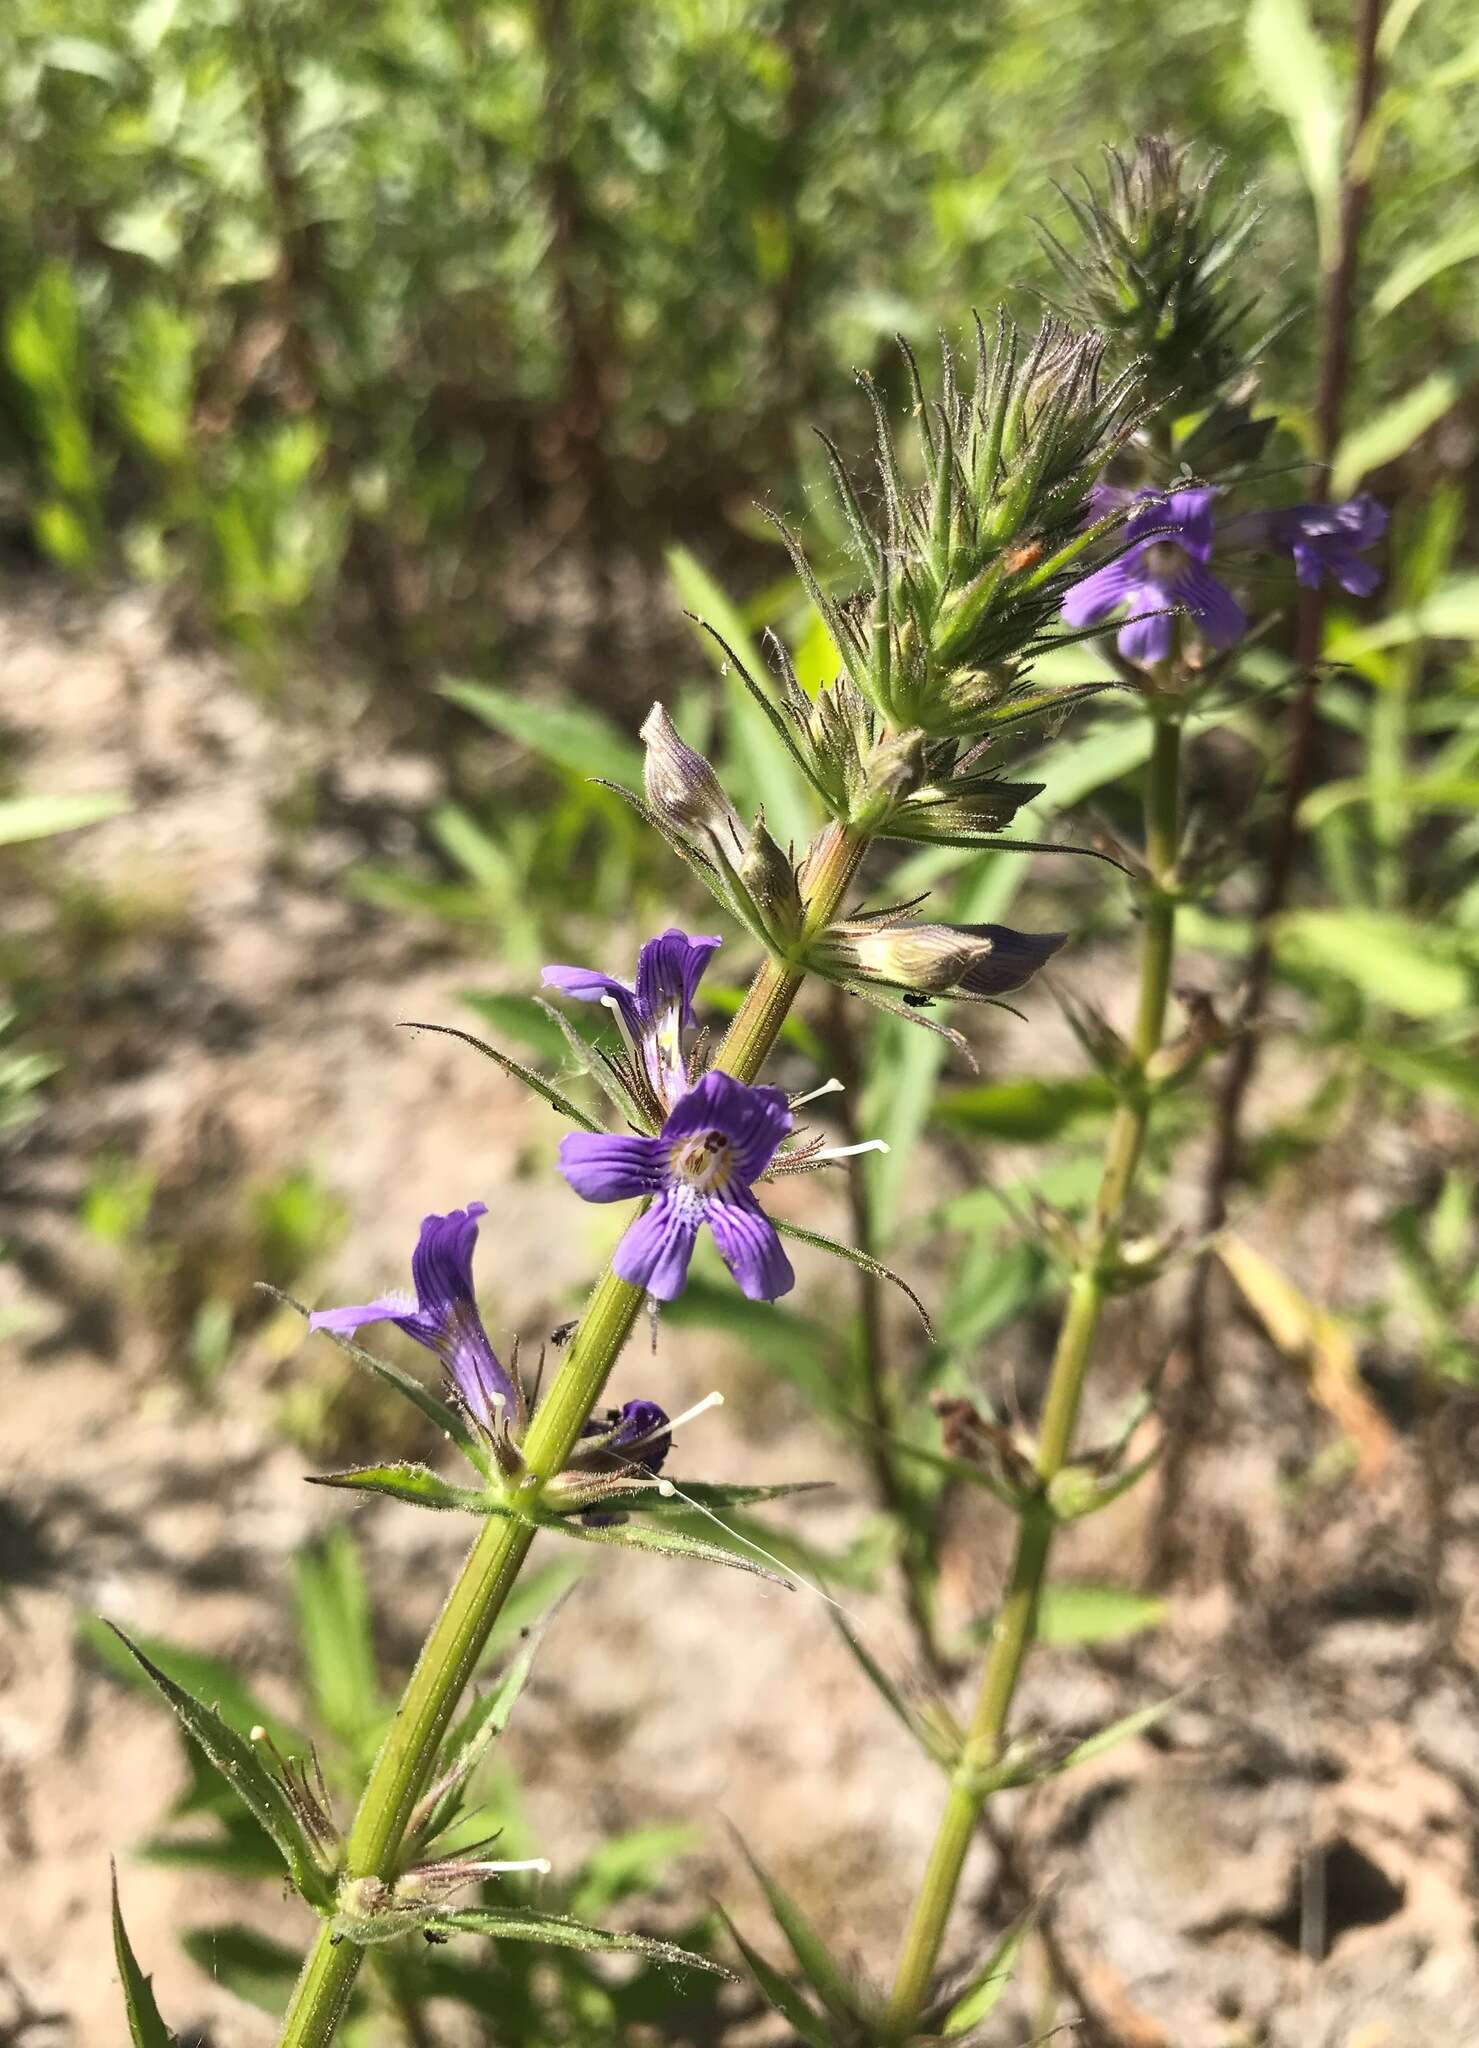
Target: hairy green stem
point(460, 1632)
point(1016, 1624)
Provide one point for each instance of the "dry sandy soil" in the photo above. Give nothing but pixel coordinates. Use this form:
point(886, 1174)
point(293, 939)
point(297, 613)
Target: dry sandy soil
point(1289, 1860)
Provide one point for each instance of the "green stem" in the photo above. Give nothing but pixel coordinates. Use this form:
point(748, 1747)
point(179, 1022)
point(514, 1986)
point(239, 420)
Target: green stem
point(1016, 1624)
point(460, 1632)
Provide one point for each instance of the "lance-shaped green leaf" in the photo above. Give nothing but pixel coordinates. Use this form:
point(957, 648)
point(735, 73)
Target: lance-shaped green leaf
point(1118, 1731)
point(827, 1978)
point(145, 2028)
point(439, 1413)
point(663, 1496)
point(854, 1257)
point(545, 1089)
point(555, 1930)
point(670, 1542)
point(417, 1484)
point(982, 1995)
point(940, 1742)
point(243, 1769)
point(811, 2027)
point(568, 735)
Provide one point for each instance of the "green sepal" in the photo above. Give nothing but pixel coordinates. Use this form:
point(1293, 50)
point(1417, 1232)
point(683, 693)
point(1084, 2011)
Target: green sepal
point(438, 1412)
point(145, 2027)
point(417, 1484)
point(1108, 1738)
point(810, 2026)
point(842, 1998)
point(1078, 1490)
point(639, 1536)
point(854, 1257)
point(939, 1740)
point(243, 1769)
point(516, 1068)
point(556, 1930)
point(984, 1992)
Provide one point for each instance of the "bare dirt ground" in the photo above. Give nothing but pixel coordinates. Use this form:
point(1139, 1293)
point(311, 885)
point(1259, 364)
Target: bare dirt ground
point(1289, 1859)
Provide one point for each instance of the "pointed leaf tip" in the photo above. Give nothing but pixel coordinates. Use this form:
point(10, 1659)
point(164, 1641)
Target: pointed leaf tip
point(145, 2027)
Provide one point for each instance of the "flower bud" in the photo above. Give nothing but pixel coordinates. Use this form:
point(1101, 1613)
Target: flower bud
point(970, 961)
point(680, 785)
point(769, 877)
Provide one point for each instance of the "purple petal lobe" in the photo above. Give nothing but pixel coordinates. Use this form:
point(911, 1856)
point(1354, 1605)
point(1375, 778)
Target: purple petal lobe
point(1014, 958)
point(754, 1120)
point(611, 1169)
point(669, 969)
point(1147, 639)
point(749, 1246)
point(591, 987)
point(343, 1322)
point(1219, 617)
point(655, 1252)
point(1098, 595)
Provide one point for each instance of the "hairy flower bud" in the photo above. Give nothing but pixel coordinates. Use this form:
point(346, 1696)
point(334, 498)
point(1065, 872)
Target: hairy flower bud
point(768, 875)
point(972, 962)
point(681, 788)
point(1151, 266)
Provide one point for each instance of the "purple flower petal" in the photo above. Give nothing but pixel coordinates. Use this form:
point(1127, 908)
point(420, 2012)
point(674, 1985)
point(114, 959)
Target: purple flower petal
point(749, 1246)
point(1093, 599)
point(442, 1315)
point(1147, 639)
point(1014, 958)
point(1219, 617)
point(669, 969)
point(590, 987)
point(612, 1169)
point(754, 1120)
point(657, 1248)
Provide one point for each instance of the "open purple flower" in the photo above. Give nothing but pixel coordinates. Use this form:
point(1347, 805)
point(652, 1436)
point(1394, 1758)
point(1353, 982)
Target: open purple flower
point(441, 1312)
point(1326, 540)
point(1163, 566)
point(654, 1015)
point(637, 1433)
point(717, 1140)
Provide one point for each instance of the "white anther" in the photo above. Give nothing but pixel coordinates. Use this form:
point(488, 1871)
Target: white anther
point(844, 1151)
point(832, 1087)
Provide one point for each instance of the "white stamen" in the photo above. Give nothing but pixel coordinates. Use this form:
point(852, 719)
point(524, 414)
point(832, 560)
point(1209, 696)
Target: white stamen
point(689, 1414)
point(844, 1151)
point(832, 1087)
point(540, 1863)
point(610, 1003)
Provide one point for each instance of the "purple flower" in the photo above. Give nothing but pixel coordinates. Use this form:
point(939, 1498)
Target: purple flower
point(717, 1140)
point(654, 1015)
point(1164, 565)
point(1325, 540)
point(441, 1312)
point(637, 1433)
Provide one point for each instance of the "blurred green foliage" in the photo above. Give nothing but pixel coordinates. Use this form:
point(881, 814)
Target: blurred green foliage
point(329, 310)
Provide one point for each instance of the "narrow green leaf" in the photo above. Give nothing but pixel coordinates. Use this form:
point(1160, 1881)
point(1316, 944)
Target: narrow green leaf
point(887, 1691)
point(646, 1497)
point(1028, 1111)
point(568, 735)
point(778, 1994)
point(1393, 961)
point(554, 1930)
point(41, 817)
point(243, 1769)
point(982, 1995)
point(841, 1250)
point(145, 2028)
point(671, 1542)
point(1459, 245)
point(1123, 1730)
point(535, 1082)
point(1293, 69)
point(1454, 1073)
point(439, 1413)
point(335, 1629)
point(414, 1483)
point(1070, 1613)
point(1392, 431)
point(209, 1677)
point(529, 1020)
point(826, 1977)
point(1450, 613)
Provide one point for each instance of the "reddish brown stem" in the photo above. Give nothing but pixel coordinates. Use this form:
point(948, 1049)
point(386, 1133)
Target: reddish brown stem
point(1191, 1378)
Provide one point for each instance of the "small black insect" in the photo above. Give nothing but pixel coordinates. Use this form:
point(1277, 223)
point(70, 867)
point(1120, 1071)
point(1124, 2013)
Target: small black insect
point(561, 1337)
point(915, 1001)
